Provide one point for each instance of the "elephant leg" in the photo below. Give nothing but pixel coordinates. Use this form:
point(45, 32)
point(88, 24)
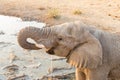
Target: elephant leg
point(97, 74)
point(80, 75)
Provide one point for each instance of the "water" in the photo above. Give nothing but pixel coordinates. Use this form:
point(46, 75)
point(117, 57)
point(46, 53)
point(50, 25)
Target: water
point(11, 25)
point(9, 45)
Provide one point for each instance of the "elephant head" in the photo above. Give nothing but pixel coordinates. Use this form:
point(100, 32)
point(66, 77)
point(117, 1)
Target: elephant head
point(71, 40)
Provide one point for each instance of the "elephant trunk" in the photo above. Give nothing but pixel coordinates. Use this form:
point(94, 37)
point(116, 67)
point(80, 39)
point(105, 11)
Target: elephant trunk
point(33, 33)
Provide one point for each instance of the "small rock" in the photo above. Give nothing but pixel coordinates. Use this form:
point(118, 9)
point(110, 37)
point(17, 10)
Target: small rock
point(2, 33)
point(33, 65)
point(41, 8)
point(51, 70)
point(13, 57)
point(20, 77)
point(11, 70)
point(11, 67)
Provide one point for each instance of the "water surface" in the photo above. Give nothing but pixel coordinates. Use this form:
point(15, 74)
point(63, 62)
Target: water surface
point(11, 25)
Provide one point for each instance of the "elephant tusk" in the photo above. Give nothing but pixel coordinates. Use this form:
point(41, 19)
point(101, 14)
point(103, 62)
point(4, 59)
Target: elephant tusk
point(40, 45)
point(36, 44)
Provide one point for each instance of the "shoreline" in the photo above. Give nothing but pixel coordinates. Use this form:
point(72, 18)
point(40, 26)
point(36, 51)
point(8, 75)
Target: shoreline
point(103, 14)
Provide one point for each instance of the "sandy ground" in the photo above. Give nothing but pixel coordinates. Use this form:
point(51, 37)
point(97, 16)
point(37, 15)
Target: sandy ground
point(104, 14)
point(18, 63)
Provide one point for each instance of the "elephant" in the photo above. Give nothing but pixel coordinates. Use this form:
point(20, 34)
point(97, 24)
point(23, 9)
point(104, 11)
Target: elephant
point(93, 52)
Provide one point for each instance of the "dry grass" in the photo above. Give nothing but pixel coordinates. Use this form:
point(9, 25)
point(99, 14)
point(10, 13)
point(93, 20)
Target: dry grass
point(53, 13)
point(77, 12)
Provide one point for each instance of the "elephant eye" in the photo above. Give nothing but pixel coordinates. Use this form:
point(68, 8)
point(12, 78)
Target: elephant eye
point(59, 39)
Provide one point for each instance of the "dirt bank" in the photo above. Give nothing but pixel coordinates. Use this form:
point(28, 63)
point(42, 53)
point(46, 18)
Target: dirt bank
point(104, 14)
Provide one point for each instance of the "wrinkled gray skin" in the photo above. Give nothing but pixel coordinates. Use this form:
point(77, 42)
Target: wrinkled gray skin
point(94, 53)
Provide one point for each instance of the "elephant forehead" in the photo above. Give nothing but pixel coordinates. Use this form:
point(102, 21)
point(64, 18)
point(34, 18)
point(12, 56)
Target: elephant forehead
point(70, 30)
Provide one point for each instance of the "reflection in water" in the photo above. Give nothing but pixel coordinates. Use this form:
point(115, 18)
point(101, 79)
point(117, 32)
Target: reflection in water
point(11, 25)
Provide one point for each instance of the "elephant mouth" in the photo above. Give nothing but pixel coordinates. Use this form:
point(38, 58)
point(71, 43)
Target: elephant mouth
point(51, 51)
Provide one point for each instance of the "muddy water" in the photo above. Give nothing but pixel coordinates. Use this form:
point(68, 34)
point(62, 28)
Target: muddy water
point(17, 63)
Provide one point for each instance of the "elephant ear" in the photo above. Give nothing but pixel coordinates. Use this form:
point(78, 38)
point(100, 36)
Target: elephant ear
point(88, 54)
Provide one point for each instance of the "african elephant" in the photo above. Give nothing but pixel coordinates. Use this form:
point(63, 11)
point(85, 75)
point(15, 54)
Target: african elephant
point(94, 53)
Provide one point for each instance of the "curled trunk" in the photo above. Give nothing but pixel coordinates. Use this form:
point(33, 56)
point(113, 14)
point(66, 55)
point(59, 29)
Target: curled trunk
point(28, 32)
point(33, 33)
